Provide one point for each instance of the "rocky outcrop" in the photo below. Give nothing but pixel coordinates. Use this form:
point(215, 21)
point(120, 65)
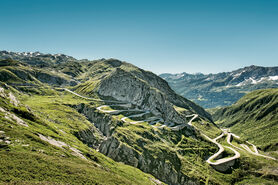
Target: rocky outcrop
point(119, 151)
point(103, 122)
point(50, 78)
point(151, 95)
point(89, 137)
point(172, 96)
point(224, 167)
point(160, 167)
point(165, 165)
point(4, 140)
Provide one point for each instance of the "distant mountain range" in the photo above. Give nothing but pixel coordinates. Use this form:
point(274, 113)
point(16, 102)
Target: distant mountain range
point(37, 58)
point(222, 89)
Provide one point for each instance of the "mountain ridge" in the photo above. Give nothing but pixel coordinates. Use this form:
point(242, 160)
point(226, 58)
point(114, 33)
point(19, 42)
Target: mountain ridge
point(254, 116)
point(99, 70)
point(86, 111)
point(222, 89)
point(138, 145)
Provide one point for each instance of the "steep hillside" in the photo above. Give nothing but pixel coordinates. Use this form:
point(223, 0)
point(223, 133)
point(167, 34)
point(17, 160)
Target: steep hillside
point(254, 117)
point(38, 146)
point(109, 78)
point(108, 111)
point(125, 82)
point(222, 89)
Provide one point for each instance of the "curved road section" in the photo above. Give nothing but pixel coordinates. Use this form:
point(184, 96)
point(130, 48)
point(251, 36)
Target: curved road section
point(221, 164)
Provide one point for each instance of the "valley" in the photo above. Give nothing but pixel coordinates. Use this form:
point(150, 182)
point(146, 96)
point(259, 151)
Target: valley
point(139, 92)
point(218, 162)
point(156, 120)
point(108, 116)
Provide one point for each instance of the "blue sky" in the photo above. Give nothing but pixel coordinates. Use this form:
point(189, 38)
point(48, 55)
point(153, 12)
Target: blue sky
point(161, 36)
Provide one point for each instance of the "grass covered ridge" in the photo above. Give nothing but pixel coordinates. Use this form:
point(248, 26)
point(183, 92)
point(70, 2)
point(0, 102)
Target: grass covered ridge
point(29, 159)
point(254, 117)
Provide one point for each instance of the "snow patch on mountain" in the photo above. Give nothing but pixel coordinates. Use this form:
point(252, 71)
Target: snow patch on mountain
point(177, 76)
point(273, 77)
point(254, 81)
point(237, 74)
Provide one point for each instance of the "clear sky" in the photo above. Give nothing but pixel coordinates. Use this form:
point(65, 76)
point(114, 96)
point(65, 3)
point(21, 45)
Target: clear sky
point(161, 36)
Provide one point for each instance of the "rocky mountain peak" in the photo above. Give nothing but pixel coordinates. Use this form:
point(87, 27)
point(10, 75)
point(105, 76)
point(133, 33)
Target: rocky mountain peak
point(113, 62)
point(125, 82)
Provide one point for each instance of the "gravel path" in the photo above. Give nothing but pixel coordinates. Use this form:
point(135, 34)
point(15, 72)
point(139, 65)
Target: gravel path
point(153, 120)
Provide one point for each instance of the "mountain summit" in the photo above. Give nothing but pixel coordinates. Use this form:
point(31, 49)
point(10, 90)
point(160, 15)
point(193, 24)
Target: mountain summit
point(125, 82)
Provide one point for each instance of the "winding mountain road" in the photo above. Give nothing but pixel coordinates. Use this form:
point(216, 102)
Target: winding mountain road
point(220, 151)
point(256, 151)
point(213, 160)
point(181, 126)
point(93, 99)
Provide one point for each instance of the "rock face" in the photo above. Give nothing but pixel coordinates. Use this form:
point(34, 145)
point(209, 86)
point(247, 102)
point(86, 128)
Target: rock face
point(165, 166)
point(222, 89)
point(149, 92)
point(224, 167)
point(126, 87)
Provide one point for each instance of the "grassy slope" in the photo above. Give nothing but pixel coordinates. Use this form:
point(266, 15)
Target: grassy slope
point(29, 159)
point(253, 117)
point(193, 152)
